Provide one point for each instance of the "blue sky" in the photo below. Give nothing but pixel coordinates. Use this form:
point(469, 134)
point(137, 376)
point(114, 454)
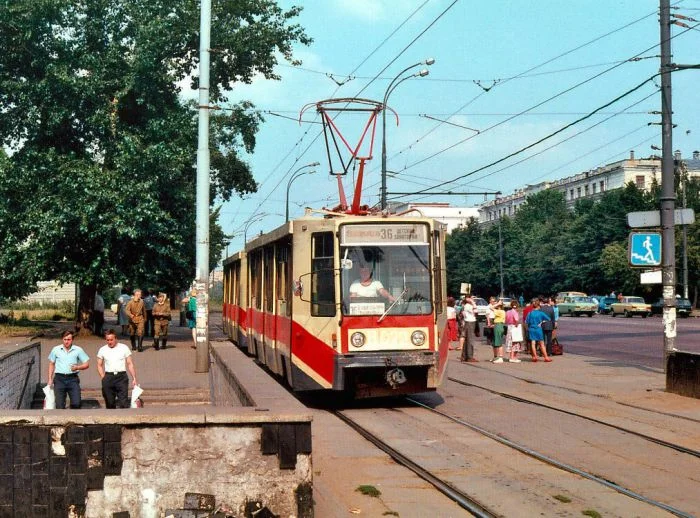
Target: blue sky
point(516, 71)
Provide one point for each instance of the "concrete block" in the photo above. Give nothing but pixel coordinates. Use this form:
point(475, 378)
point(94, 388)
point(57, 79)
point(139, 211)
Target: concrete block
point(112, 433)
point(303, 437)
point(40, 488)
point(6, 433)
point(57, 502)
point(23, 475)
point(40, 457)
point(287, 446)
point(112, 458)
point(6, 490)
point(74, 434)
point(77, 457)
point(6, 511)
point(683, 373)
point(6, 458)
point(76, 490)
point(40, 511)
point(269, 439)
point(58, 471)
point(199, 501)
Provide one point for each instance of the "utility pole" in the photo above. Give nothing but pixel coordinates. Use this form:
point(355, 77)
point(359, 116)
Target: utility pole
point(202, 218)
point(668, 198)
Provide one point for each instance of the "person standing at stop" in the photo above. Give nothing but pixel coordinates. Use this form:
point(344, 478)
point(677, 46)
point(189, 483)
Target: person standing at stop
point(161, 319)
point(136, 312)
point(64, 363)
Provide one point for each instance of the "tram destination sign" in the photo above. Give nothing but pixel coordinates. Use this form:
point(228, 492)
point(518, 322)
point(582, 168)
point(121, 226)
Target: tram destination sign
point(384, 234)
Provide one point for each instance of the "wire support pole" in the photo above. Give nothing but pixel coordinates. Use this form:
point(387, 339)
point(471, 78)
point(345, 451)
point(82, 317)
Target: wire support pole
point(668, 199)
point(202, 202)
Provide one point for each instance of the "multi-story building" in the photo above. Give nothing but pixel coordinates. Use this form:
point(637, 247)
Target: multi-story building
point(453, 217)
point(643, 172)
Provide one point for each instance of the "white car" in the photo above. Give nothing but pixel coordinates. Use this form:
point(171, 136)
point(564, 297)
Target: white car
point(482, 307)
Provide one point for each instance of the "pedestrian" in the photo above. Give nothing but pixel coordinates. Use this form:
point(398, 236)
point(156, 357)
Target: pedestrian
point(451, 313)
point(113, 362)
point(98, 314)
point(521, 300)
point(514, 334)
point(136, 312)
point(488, 329)
point(526, 312)
point(191, 315)
point(466, 335)
point(499, 321)
point(65, 361)
point(148, 301)
point(548, 325)
point(534, 328)
point(555, 307)
point(122, 318)
point(161, 320)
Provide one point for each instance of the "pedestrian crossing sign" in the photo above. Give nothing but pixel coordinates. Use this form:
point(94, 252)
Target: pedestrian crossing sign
point(645, 249)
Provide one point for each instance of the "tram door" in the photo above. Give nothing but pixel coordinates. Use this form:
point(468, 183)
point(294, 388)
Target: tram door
point(268, 323)
point(283, 305)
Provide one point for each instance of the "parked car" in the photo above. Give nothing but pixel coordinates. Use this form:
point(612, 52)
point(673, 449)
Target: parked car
point(563, 294)
point(604, 304)
point(683, 307)
point(482, 308)
point(506, 302)
point(630, 306)
point(577, 306)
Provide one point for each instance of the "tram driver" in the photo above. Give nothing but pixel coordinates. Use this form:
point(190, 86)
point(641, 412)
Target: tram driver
point(365, 286)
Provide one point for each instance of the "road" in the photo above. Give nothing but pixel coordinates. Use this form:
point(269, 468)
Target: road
point(633, 340)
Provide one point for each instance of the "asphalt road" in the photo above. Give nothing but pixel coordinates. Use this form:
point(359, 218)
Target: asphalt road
point(633, 340)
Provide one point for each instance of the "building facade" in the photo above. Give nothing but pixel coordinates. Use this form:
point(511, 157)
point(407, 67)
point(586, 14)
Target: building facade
point(453, 217)
point(643, 172)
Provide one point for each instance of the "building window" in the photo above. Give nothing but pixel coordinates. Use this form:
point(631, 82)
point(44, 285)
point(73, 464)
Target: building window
point(593, 188)
point(572, 194)
point(578, 192)
point(586, 189)
point(602, 185)
point(639, 181)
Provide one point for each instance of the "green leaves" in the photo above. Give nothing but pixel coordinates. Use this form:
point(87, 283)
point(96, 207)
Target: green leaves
point(100, 186)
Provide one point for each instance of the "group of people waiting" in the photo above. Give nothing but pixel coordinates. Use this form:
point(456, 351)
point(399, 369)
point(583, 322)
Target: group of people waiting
point(505, 327)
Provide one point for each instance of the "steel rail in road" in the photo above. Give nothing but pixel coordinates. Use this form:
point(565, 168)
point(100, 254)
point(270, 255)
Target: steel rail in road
point(556, 463)
point(655, 440)
point(462, 499)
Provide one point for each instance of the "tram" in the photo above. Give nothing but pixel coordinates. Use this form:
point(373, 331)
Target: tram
point(288, 300)
point(345, 299)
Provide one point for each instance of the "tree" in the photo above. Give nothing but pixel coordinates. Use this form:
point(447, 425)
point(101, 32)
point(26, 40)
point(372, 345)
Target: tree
point(100, 182)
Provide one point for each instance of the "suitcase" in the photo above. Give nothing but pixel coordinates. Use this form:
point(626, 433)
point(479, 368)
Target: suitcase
point(557, 349)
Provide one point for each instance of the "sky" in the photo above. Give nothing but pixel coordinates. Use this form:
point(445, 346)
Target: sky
point(506, 75)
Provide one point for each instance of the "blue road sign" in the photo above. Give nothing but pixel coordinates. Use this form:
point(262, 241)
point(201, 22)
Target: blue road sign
point(645, 249)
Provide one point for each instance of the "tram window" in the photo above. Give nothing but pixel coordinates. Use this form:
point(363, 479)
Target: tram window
point(284, 287)
point(269, 269)
point(437, 269)
point(322, 275)
point(255, 263)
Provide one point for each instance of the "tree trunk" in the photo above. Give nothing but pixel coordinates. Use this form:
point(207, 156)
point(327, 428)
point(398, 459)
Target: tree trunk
point(84, 319)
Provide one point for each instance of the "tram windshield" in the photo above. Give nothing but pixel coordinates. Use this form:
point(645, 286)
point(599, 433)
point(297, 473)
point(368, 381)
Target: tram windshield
point(386, 274)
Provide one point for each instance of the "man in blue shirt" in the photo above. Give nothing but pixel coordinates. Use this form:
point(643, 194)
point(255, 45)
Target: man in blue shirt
point(64, 363)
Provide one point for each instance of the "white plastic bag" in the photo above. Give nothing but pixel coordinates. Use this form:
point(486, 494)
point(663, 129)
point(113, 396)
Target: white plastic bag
point(135, 395)
point(50, 398)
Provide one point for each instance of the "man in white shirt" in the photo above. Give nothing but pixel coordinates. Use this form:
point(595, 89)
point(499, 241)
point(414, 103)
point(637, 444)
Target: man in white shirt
point(113, 361)
point(367, 287)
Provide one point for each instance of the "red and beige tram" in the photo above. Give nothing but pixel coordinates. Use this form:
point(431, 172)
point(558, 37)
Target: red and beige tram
point(291, 299)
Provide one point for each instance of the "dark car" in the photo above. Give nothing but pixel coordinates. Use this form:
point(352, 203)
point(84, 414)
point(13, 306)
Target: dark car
point(604, 304)
point(683, 307)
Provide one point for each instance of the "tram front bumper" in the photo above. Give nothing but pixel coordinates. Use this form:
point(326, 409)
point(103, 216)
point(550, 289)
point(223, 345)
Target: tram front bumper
point(416, 364)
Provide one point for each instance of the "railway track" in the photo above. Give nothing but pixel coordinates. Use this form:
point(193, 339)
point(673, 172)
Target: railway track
point(557, 464)
point(655, 440)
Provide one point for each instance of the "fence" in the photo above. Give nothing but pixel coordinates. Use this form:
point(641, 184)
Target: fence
point(20, 372)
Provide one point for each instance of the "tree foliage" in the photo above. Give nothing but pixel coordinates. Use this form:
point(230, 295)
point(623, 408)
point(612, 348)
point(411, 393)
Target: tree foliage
point(548, 248)
point(99, 184)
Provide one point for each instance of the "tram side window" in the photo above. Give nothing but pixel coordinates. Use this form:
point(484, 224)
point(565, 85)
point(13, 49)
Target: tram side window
point(269, 267)
point(437, 263)
point(322, 275)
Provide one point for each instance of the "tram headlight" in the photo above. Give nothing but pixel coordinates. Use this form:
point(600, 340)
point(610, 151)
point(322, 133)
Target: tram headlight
point(357, 339)
point(418, 338)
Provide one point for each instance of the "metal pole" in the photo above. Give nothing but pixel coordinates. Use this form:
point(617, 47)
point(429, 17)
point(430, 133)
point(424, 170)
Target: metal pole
point(500, 252)
point(684, 184)
point(667, 192)
point(202, 221)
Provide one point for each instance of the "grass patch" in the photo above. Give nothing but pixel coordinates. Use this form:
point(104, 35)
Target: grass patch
point(562, 498)
point(21, 329)
point(369, 490)
point(592, 513)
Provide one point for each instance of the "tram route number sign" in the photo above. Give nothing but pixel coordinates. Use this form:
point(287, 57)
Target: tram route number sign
point(384, 233)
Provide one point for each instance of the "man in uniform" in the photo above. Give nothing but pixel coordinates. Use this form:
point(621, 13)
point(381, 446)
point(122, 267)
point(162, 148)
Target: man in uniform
point(149, 300)
point(161, 317)
point(136, 313)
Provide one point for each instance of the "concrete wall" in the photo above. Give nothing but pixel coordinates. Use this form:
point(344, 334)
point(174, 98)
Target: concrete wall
point(147, 462)
point(683, 373)
point(19, 370)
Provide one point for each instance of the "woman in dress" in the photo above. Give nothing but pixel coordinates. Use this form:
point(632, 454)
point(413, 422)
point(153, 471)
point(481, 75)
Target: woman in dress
point(192, 311)
point(451, 322)
point(499, 321)
point(514, 335)
point(534, 329)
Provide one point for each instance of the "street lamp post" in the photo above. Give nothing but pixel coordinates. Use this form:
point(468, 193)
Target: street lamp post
point(392, 86)
point(296, 174)
point(253, 220)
